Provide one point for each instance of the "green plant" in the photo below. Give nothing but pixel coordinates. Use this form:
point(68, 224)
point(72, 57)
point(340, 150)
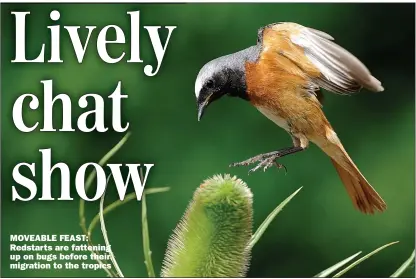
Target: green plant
point(342, 263)
point(405, 266)
point(211, 239)
point(224, 205)
point(99, 217)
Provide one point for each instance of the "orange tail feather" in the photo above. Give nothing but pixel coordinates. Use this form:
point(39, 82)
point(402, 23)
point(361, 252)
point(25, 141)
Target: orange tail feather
point(362, 194)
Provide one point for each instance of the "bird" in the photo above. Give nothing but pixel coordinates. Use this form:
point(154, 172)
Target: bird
point(282, 76)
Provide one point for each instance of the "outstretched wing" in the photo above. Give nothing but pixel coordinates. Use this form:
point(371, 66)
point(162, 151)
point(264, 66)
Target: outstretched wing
point(327, 64)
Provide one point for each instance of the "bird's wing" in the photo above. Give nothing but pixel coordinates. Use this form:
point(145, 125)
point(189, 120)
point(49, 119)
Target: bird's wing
point(327, 64)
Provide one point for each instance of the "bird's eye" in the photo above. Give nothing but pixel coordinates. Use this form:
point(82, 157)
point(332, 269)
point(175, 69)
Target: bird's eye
point(209, 83)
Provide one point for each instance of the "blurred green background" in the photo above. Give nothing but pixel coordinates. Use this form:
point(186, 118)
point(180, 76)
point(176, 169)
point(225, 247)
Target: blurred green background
point(317, 229)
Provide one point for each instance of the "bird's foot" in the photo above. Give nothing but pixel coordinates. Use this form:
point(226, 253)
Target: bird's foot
point(265, 161)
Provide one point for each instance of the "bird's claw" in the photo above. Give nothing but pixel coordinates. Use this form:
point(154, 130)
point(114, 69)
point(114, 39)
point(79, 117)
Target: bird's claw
point(253, 169)
point(280, 166)
point(248, 161)
point(266, 161)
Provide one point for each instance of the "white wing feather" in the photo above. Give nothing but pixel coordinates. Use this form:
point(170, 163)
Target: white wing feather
point(341, 71)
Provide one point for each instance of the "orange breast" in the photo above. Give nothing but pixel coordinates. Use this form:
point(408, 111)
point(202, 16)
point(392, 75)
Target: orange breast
point(272, 81)
point(278, 88)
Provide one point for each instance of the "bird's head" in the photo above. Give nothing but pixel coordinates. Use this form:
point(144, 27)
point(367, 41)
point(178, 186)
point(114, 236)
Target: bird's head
point(220, 77)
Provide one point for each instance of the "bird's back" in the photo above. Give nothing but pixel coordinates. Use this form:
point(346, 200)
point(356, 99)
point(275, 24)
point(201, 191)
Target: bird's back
point(292, 47)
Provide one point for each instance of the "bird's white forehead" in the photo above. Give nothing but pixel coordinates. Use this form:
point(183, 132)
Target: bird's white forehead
point(198, 86)
point(204, 74)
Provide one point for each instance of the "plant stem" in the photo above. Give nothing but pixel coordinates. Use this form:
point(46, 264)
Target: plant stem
point(88, 183)
point(91, 177)
point(105, 235)
point(262, 228)
point(146, 241)
point(336, 266)
point(118, 203)
point(357, 262)
point(404, 266)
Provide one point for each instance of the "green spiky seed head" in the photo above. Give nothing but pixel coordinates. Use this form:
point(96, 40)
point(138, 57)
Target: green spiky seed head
point(211, 239)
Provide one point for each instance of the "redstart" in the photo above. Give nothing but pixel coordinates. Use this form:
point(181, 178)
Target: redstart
point(282, 76)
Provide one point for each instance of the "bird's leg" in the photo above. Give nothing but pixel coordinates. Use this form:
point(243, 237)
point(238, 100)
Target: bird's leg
point(267, 160)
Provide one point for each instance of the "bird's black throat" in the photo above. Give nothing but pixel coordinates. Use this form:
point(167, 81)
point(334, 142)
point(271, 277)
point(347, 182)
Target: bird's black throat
point(236, 84)
point(227, 75)
point(236, 72)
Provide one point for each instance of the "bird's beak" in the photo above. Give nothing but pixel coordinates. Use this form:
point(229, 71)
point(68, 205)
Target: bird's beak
point(203, 101)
